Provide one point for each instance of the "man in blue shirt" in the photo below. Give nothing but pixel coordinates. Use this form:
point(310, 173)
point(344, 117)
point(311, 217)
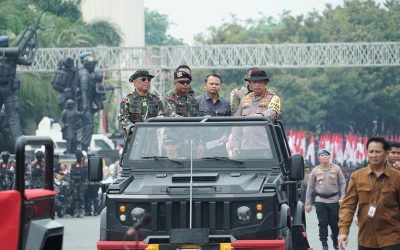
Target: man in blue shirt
point(210, 103)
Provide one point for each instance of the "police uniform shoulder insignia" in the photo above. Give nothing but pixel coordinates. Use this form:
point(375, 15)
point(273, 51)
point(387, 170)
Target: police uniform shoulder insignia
point(275, 103)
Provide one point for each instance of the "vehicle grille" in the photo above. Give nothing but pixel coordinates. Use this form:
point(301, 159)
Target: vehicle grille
point(205, 214)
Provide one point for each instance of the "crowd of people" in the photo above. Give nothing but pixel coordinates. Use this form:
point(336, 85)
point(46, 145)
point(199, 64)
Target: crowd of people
point(253, 99)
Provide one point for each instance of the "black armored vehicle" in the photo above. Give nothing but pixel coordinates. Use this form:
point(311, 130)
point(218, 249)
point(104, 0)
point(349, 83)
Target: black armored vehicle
point(204, 183)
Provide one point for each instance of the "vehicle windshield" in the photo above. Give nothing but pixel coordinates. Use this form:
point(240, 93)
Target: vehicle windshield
point(201, 142)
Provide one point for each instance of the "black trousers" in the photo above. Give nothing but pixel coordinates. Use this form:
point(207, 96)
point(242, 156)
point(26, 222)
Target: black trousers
point(394, 247)
point(327, 214)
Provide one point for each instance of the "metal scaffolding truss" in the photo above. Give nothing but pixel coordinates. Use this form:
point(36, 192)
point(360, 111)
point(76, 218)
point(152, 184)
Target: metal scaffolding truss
point(311, 55)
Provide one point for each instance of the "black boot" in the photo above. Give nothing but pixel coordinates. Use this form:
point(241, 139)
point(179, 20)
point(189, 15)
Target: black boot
point(335, 242)
point(325, 246)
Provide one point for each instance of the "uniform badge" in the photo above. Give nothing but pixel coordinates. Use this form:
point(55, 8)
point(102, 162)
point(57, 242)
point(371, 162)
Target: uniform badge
point(263, 102)
point(275, 103)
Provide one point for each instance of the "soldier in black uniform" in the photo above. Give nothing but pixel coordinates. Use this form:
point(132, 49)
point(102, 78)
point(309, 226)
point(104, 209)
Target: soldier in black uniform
point(37, 170)
point(87, 83)
point(7, 170)
point(92, 199)
point(79, 179)
point(9, 87)
point(70, 123)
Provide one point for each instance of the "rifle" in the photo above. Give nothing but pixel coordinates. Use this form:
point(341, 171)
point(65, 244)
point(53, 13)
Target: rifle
point(28, 43)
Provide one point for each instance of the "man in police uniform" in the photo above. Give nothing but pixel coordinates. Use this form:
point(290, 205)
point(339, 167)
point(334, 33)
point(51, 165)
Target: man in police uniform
point(327, 180)
point(238, 93)
point(179, 103)
point(260, 102)
point(139, 105)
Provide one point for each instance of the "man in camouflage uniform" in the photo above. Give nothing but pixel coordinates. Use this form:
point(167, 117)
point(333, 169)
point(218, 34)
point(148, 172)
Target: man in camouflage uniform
point(79, 181)
point(37, 170)
point(238, 93)
point(179, 103)
point(139, 105)
point(7, 169)
point(260, 102)
point(187, 69)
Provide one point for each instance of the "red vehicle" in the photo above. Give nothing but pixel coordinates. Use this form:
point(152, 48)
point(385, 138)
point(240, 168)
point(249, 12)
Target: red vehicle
point(27, 217)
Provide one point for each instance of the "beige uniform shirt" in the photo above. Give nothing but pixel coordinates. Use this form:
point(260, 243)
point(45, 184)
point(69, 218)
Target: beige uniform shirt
point(326, 180)
point(267, 105)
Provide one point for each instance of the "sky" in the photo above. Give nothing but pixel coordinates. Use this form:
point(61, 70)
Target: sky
point(191, 17)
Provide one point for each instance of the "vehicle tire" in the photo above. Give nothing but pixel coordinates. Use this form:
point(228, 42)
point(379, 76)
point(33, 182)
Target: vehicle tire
point(286, 234)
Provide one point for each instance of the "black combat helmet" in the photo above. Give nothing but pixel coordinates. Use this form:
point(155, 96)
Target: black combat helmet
point(68, 63)
point(3, 41)
point(70, 103)
point(5, 155)
point(39, 155)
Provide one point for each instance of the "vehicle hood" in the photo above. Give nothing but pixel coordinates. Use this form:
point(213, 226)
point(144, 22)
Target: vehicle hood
point(230, 183)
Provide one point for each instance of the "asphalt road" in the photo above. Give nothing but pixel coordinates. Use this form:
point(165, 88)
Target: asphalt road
point(83, 233)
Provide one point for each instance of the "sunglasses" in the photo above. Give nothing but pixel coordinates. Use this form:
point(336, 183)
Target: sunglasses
point(145, 78)
point(184, 82)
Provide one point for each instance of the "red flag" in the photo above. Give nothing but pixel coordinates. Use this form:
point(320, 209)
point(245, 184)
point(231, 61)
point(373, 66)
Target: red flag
point(311, 151)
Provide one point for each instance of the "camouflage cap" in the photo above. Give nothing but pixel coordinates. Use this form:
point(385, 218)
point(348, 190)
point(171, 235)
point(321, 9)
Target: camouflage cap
point(256, 74)
point(139, 73)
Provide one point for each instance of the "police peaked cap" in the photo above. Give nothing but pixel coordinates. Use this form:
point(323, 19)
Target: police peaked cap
point(256, 75)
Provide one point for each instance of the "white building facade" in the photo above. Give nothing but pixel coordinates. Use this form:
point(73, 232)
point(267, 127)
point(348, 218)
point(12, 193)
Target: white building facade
point(128, 15)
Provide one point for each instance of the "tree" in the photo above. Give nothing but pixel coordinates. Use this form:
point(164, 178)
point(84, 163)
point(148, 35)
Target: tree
point(156, 26)
point(328, 99)
point(64, 27)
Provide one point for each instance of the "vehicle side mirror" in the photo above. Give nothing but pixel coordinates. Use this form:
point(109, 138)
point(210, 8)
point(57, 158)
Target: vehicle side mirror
point(296, 167)
point(95, 168)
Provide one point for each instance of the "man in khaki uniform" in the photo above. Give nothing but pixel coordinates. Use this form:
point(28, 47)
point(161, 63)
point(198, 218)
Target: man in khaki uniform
point(238, 93)
point(327, 180)
point(260, 102)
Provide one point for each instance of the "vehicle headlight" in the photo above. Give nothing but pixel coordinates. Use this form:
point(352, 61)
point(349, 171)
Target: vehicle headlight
point(244, 214)
point(137, 215)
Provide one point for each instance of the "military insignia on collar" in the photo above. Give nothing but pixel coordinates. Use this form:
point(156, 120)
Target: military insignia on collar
point(171, 99)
